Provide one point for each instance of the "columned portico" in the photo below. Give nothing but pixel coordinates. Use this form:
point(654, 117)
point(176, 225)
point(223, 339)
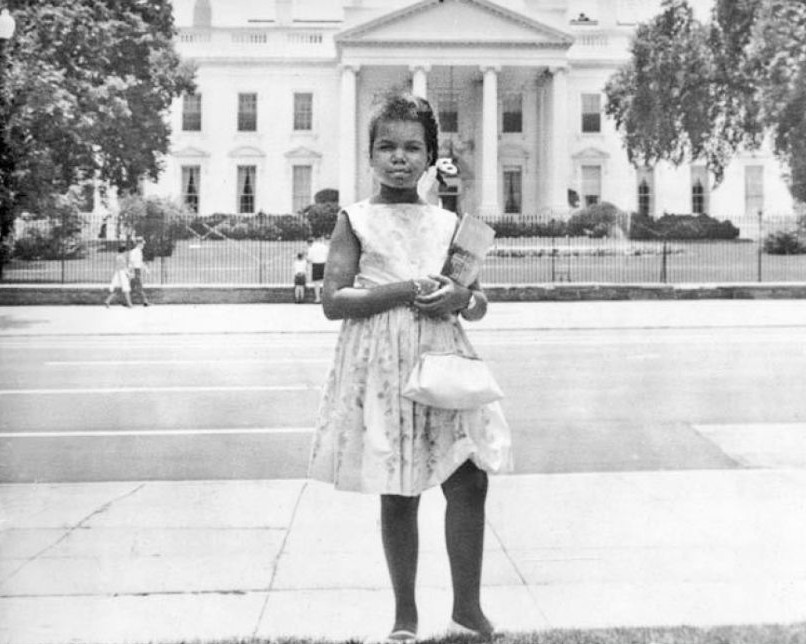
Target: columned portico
point(347, 134)
point(558, 156)
point(489, 143)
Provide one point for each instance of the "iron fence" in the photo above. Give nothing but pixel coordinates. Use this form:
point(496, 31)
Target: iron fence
point(222, 259)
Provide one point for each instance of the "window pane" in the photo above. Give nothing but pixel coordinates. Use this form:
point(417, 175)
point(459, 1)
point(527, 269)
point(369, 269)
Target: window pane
point(512, 190)
point(591, 184)
point(301, 181)
point(247, 112)
point(191, 113)
point(190, 187)
point(591, 113)
point(513, 113)
point(246, 188)
point(448, 112)
point(303, 111)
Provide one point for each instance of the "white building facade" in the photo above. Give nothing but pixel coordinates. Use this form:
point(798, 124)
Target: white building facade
point(286, 87)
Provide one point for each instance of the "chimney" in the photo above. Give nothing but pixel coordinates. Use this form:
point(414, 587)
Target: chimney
point(284, 12)
point(202, 14)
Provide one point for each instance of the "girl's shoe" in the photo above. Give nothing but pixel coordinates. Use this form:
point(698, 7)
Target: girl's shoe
point(401, 636)
point(455, 628)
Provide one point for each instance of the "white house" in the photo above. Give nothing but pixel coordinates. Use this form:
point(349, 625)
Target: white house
point(285, 88)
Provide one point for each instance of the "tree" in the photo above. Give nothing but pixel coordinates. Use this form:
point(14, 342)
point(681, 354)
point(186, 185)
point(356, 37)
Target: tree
point(88, 87)
point(694, 91)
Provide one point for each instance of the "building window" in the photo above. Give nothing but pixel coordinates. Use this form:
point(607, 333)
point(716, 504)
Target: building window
point(448, 112)
point(190, 187)
point(301, 187)
point(87, 198)
point(591, 113)
point(247, 112)
point(303, 111)
point(191, 113)
point(646, 191)
point(591, 184)
point(513, 113)
point(699, 190)
point(512, 190)
point(753, 189)
point(246, 189)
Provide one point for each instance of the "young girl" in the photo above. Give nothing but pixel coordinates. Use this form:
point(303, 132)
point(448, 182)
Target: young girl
point(382, 278)
point(120, 277)
point(300, 273)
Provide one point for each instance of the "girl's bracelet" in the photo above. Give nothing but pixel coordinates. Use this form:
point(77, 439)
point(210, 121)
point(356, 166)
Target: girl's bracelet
point(416, 290)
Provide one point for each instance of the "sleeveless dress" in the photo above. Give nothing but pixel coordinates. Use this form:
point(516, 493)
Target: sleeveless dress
point(368, 438)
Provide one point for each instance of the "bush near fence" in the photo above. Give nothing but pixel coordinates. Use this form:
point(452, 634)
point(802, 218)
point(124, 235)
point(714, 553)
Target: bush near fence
point(606, 220)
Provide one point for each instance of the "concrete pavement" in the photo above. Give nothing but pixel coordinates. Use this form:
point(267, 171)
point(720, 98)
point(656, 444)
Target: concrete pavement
point(166, 561)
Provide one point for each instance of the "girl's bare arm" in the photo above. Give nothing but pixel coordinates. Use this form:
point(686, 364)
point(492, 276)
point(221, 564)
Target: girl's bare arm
point(340, 299)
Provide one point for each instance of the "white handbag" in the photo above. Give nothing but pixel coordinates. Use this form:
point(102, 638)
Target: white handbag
point(451, 381)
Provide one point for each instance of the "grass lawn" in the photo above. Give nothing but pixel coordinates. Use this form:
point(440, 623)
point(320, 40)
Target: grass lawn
point(764, 634)
point(572, 260)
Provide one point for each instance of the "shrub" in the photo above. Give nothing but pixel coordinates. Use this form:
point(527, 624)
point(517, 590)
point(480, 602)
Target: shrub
point(784, 242)
point(60, 235)
point(321, 217)
point(681, 227)
point(328, 195)
point(292, 227)
point(159, 221)
point(597, 220)
point(528, 227)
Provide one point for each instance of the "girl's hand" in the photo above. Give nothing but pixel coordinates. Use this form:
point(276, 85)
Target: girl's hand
point(449, 297)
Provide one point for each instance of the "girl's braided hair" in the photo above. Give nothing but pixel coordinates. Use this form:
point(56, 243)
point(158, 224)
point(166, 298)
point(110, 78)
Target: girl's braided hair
point(407, 107)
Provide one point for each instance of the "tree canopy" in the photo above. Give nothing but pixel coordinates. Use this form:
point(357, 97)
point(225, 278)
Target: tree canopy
point(87, 89)
point(702, 91)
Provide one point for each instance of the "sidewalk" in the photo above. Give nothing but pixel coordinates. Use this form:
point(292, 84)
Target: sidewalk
point(207, 560)
point(308, 318)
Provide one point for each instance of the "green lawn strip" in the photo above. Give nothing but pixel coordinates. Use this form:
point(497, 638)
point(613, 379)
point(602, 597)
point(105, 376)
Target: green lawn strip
point(756, 634)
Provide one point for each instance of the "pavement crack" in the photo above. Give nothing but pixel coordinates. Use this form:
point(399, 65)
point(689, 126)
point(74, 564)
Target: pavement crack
point(81, 525)
point(518, 572)
point(276, 561)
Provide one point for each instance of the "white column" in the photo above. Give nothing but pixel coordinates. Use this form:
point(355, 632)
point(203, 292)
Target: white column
point(558, 159)
point(488, 206)
point(347, 135)
point(419, 80)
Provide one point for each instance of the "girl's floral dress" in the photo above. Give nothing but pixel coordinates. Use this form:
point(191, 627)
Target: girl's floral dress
point(368, 437)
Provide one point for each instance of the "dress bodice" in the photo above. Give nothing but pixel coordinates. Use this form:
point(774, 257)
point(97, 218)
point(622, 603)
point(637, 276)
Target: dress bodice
point(400, 241)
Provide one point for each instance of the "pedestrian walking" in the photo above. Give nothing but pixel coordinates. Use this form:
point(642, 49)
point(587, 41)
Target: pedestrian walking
point(120, 278)
point(300, 278)
point(136, 268)
point(383, 279)
point(317, 257)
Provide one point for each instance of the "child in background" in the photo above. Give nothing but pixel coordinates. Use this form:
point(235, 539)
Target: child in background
point(383, 279)
point(120, 278)
point(300, 270)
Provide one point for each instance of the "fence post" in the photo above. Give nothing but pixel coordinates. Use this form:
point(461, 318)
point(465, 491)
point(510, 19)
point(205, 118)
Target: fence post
point(553, 258)
point(663, 267)
point(260, 243)
point(62, 245)
point(760, 244)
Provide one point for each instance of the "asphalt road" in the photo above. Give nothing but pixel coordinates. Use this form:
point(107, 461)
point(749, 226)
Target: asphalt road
point(172, 407)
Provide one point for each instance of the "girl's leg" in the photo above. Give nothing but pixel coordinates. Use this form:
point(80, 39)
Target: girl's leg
point(401, 546)
point(465, 492)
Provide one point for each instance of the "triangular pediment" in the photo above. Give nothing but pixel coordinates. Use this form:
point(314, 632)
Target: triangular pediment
point(247, 151)
point(455, 21)
point(303, 153)
point(591, 154)
point(190, 152)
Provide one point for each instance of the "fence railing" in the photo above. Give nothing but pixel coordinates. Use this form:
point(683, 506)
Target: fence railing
point(222, 259)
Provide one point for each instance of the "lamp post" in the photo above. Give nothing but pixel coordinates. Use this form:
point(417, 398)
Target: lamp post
point(7, 25)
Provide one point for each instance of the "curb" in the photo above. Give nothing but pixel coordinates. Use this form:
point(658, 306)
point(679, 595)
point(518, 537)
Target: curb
point(94, 294)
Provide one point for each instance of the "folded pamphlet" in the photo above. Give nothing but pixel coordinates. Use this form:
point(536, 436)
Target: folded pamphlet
point(471, 242)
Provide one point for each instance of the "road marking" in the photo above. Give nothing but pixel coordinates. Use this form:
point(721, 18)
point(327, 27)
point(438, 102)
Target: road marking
point(268, 361)
point(161, 432)
point(127, 390)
